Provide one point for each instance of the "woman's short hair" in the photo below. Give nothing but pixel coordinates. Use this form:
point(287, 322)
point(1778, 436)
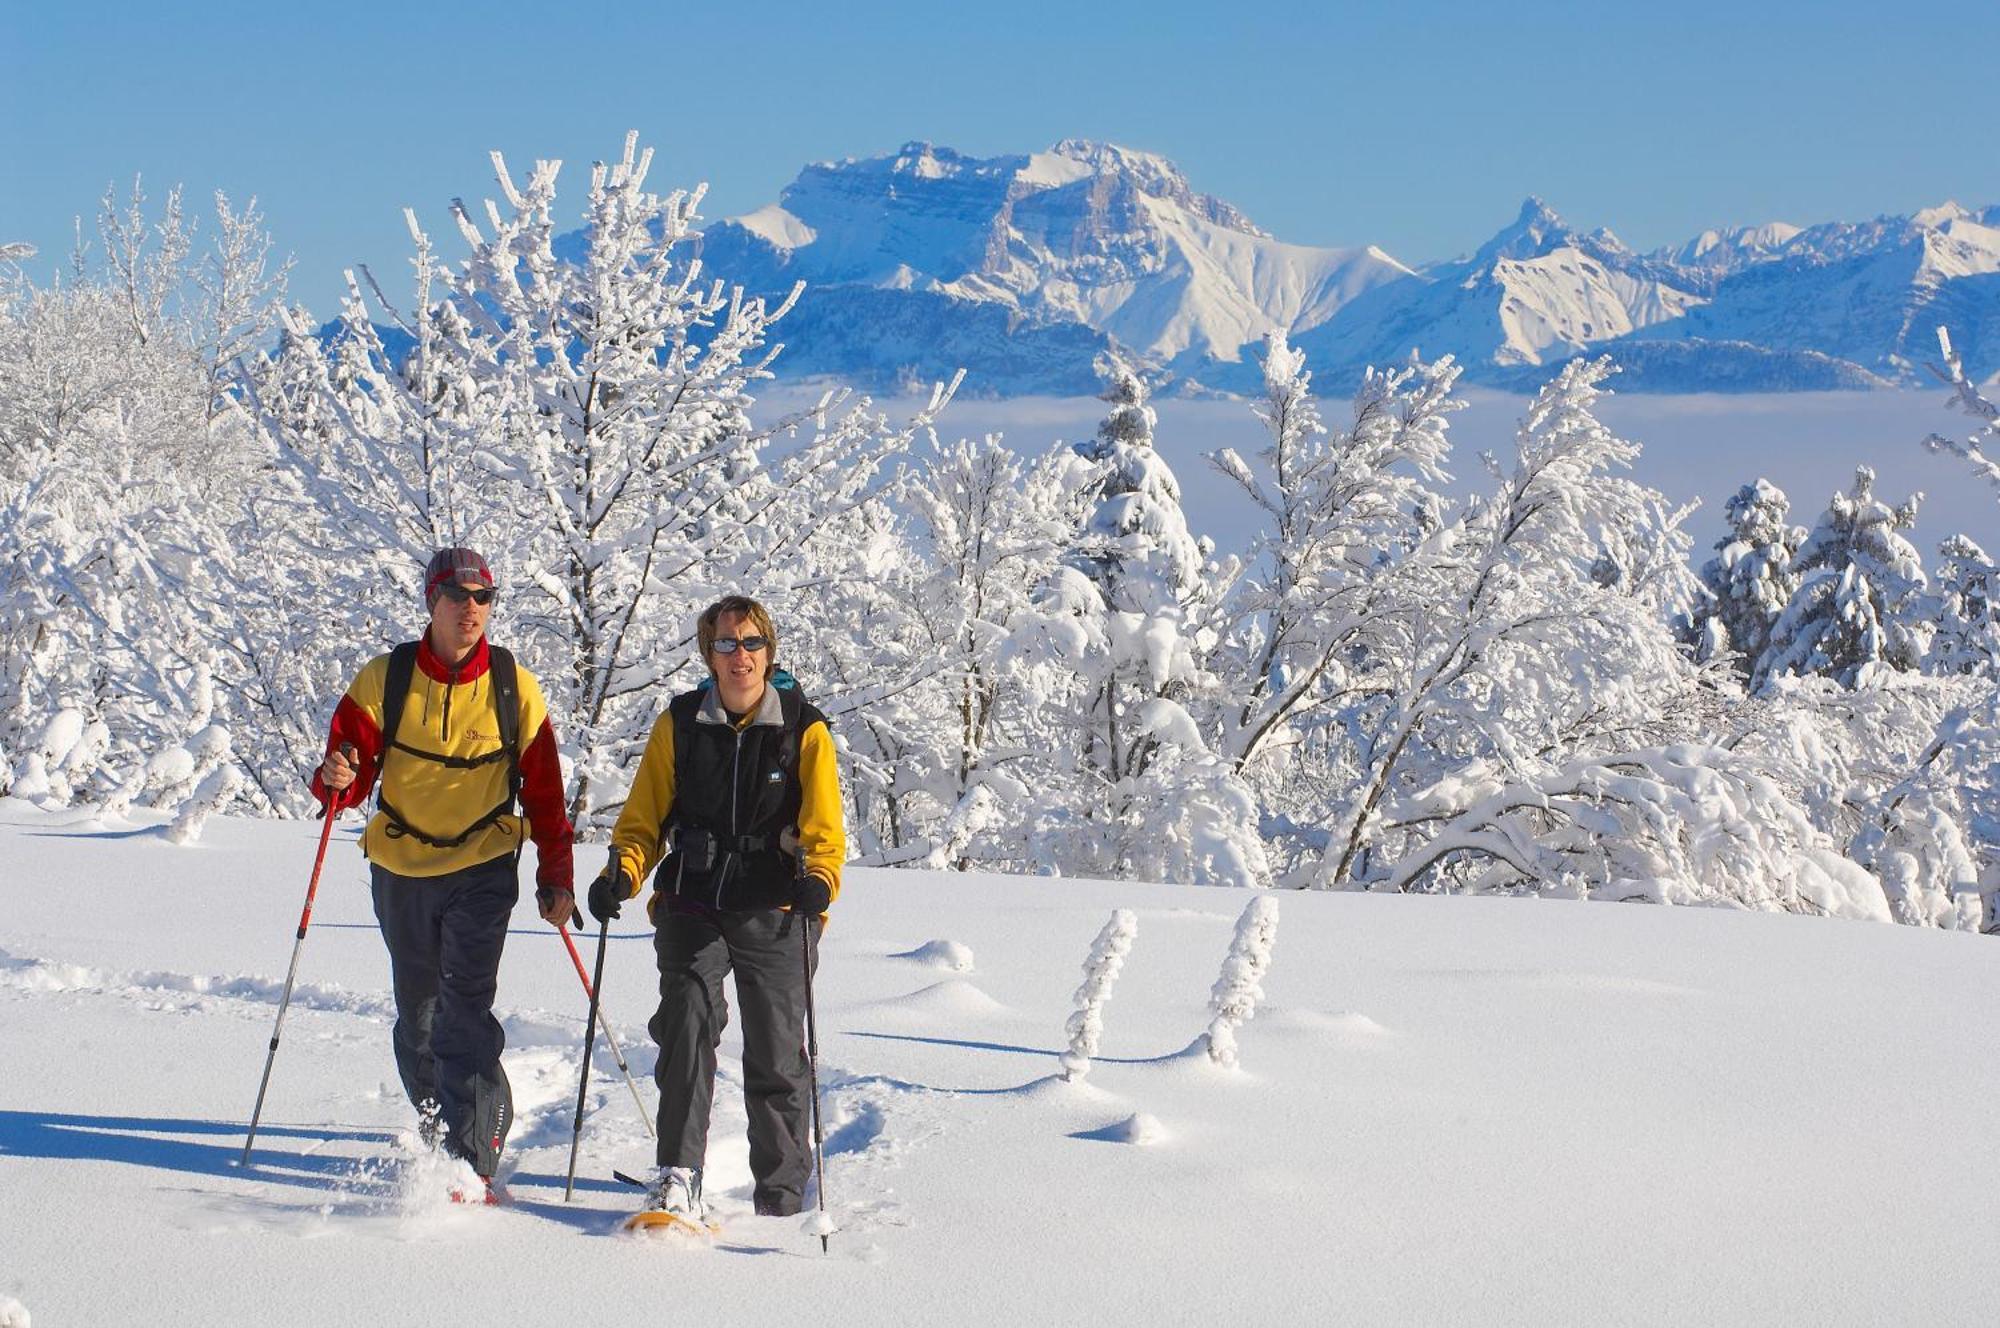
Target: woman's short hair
point(743, 606)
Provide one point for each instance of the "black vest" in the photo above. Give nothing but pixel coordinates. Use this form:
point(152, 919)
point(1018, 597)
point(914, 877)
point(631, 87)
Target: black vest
point(732, 837)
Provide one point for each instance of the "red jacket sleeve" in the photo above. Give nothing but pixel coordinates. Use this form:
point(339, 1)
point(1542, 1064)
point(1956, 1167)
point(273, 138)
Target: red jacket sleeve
point(548, 813)
point(351, 724)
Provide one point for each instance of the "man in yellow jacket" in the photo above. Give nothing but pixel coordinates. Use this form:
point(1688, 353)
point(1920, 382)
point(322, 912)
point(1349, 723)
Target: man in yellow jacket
point(457, 733)
point(737, 806)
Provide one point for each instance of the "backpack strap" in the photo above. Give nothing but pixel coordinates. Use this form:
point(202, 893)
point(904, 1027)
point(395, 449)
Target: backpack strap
point(507, 712)
point(395, 691)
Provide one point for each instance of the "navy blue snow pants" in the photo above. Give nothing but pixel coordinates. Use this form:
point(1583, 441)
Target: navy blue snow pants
point(444, 935)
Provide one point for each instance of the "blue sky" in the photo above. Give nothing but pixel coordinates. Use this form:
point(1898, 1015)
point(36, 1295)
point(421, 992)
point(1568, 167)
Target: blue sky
point(1418, 127)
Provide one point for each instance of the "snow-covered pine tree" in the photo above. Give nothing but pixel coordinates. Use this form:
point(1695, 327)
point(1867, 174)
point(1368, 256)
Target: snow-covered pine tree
point(1150, 797)
point(1966, 589)
point(1858, 607)
point(1750, 579)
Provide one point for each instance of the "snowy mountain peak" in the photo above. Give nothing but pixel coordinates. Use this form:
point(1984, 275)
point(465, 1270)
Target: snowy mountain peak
point(1537, 230)
point(1148, 172)
point(1727, 248)
point(1086, 237)
point(1937, 218)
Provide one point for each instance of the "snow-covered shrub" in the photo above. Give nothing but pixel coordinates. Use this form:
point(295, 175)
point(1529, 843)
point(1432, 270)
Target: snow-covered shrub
point(1100, 973)
point(1675, 825)
point(1933, 835)
point(211, 797)
point(1233, 1000)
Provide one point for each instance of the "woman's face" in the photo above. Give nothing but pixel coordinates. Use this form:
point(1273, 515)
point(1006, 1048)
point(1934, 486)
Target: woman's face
point(739, 674)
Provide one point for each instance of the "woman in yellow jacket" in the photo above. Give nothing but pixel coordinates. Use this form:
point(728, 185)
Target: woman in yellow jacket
point(737, 808)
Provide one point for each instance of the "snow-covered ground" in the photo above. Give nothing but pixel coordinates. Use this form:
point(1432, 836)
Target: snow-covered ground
point(1447, 1111)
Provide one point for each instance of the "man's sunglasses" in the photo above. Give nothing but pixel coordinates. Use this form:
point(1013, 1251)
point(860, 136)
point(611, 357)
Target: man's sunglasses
point(727, 645)
point(458, 594)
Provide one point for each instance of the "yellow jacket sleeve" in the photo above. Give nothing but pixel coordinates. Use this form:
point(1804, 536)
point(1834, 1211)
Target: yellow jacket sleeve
point(822, 836)
point(635, 842)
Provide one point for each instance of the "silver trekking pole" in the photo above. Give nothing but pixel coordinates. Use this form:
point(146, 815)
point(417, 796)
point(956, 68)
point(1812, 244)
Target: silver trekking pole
point(812, 1069)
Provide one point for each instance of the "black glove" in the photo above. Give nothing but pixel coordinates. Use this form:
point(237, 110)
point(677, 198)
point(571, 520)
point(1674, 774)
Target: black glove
point(611, 889)
point(812, 895)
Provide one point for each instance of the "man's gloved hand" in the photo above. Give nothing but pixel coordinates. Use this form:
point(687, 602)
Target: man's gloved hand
point(611, 889)
point(557, 906)
point(811, 895)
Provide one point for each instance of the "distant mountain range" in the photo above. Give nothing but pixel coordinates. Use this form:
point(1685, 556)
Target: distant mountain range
point(1026, 270)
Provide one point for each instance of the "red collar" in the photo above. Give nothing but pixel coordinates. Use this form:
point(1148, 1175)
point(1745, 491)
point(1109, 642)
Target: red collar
point(436, 668)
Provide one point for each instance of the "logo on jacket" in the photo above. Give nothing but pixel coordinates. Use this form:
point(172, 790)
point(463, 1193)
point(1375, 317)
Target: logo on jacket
point(477, 736)
point(775, 777)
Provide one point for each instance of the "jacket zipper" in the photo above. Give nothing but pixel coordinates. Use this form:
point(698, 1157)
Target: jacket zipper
point(735, 774)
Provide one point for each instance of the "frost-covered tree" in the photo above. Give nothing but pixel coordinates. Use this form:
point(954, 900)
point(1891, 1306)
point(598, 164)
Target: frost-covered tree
point(1857, 608)
point(1750, 579)
point(579, 409)
point(947, 772)
point(1340, 515)
point(1969, 399)
point(1533, 631)
point(119, 475)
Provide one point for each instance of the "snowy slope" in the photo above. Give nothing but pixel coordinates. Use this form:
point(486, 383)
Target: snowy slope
point(1456, 1111)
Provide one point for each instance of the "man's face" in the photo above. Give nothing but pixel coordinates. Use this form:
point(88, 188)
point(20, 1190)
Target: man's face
point(458, 619)
point(739, 674)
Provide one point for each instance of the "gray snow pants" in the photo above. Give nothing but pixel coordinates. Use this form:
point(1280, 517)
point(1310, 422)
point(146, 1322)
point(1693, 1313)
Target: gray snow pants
point(444, 935)
point(764, 949)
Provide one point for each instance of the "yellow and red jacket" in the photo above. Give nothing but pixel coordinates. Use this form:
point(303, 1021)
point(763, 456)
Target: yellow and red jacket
point(449, 712)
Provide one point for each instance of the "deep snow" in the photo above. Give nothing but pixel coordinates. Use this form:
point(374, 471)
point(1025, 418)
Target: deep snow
point(1448, 1110)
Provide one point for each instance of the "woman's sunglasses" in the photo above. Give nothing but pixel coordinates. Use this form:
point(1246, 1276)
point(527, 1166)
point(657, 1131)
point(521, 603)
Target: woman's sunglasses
point(727, 645)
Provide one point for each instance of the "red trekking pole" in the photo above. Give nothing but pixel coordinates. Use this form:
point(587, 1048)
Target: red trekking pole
point(305, 920)
point(617, 1052)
